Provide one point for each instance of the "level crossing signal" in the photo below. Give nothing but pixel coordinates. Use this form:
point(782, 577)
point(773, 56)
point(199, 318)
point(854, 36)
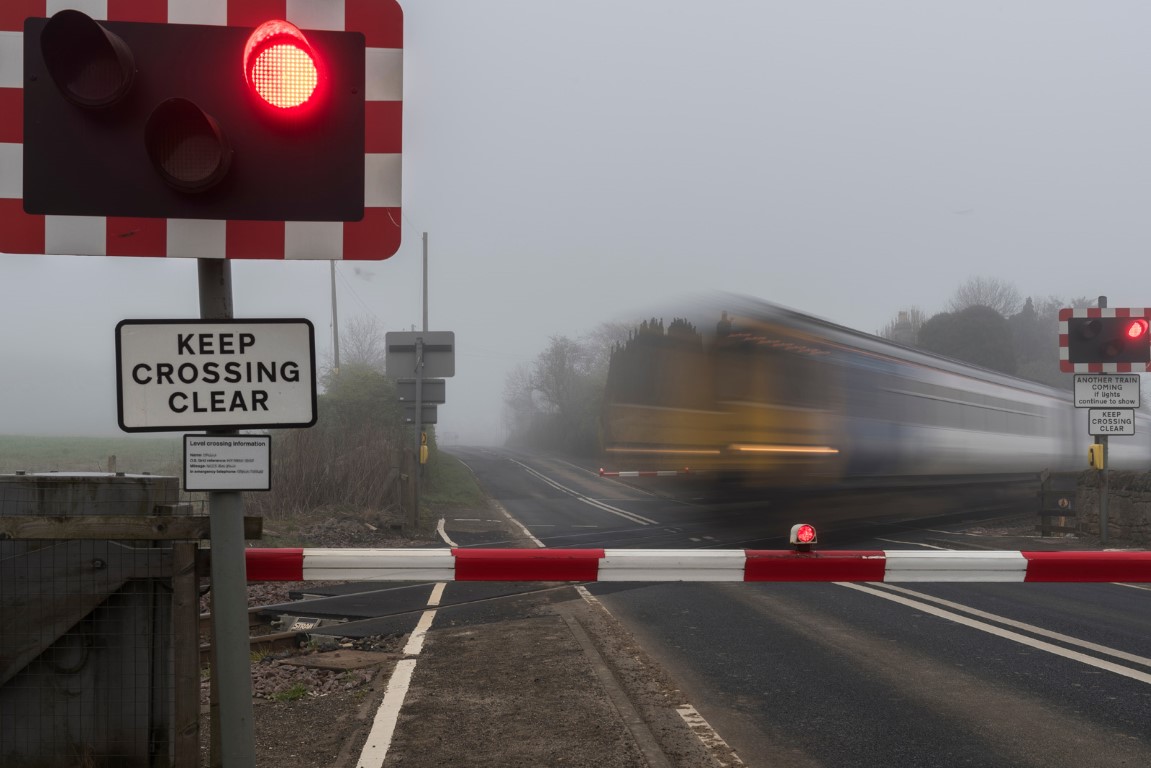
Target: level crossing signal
point(193, 121)
point(1109, 340)
point(1106, 339)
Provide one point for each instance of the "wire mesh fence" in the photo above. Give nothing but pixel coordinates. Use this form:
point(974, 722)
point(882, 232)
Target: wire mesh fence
point(98, 646)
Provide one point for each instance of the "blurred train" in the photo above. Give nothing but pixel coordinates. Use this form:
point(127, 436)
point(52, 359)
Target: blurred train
point(752, 392)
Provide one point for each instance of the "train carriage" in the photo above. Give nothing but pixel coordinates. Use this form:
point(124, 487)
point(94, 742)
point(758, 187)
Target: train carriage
point(751, 391)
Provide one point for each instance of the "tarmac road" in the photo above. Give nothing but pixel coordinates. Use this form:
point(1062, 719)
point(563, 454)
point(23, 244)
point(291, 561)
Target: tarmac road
point(784, 674)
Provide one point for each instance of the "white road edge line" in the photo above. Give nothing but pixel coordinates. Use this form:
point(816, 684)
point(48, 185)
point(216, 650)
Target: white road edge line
point(587, 500)
point(384, 724)
point(443, 533)
point(1082, 658)
point(705, 733)
point(415, 642)
point(912, 543)
point(1135, 659)
point(1144, 587)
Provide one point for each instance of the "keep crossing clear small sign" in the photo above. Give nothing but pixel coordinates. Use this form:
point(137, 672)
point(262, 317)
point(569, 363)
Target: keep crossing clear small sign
point(1111, 421)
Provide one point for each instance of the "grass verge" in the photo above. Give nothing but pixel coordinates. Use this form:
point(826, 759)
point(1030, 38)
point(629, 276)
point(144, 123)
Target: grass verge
point(134, 455)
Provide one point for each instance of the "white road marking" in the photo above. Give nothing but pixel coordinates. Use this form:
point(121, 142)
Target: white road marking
point(384, 725)
point(416, 639)
point(1024, 626)
point(1082, 658)
point(588, 500)
point(1143, 587)
point(443, 532)
point(911, 543)
point(705, 733)
point(517, 523)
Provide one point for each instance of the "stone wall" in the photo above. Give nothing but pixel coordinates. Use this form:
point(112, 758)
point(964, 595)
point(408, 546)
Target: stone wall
point(1128, 507)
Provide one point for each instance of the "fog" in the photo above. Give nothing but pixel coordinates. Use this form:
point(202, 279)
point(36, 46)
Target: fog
point(575, 163)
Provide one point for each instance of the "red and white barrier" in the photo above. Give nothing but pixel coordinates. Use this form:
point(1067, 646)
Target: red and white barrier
point(645, 473)
point(585, 565)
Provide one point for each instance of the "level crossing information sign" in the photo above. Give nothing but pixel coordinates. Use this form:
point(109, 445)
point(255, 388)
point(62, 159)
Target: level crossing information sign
point(1106, 390)
point(227, 462)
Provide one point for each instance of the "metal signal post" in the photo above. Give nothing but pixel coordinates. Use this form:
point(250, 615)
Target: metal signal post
point(233, 722)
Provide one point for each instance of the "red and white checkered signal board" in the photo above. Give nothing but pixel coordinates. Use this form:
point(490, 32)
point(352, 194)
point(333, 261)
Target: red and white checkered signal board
point(1065, 363)
point(376, 236)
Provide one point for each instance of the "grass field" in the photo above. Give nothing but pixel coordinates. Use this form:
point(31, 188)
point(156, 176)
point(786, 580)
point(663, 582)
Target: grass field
point(134, 455)
point(449, 483)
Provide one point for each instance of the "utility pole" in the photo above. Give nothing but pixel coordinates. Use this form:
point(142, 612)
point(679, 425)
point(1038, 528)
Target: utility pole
point(335, 324)
point(425, 282)
point(418, 472)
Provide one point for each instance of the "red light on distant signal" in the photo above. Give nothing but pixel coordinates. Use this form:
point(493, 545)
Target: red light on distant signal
point(1136, 329)
point(280, 65)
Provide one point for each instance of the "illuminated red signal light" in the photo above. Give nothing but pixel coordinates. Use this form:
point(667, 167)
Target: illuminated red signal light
point(1136, 329)
point(803, 536)
point(280, 66)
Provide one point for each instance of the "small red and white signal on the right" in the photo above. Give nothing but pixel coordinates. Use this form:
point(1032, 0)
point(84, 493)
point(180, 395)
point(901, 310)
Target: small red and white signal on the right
point(803, 536)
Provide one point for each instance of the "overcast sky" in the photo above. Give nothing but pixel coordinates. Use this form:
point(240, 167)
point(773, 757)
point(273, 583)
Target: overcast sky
point(579, 162)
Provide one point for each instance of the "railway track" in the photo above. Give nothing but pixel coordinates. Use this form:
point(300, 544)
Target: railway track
point(260, 637)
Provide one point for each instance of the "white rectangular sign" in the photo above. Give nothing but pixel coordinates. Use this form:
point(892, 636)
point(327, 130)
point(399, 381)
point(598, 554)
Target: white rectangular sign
point(1106, 390)
point(174, 375)
point(1105, 421)
point(227, 462)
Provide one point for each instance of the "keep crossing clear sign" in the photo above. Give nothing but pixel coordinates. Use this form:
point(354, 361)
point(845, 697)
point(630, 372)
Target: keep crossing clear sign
point(175, 375)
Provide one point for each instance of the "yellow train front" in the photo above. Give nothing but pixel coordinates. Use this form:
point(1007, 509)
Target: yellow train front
point(746, 400)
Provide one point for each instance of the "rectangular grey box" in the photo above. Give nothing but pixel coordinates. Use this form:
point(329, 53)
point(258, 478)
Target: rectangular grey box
point(434, 391)
point(427, 414)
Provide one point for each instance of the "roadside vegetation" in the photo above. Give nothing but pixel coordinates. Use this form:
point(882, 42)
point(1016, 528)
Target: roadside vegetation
point(333, 481)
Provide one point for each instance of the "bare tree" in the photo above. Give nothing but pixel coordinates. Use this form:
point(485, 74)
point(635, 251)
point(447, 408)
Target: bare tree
point(600, 342)
point(557, 370)
point(362, 345)
point(992, 292)
point(553, 402)
point(519, 403)
point(364, 342)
